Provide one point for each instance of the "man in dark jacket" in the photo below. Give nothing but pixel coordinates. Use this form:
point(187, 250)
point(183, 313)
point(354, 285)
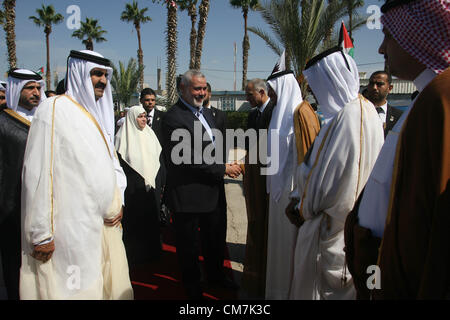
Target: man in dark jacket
point(25, 90)
point(193, 184)
point(380, 85)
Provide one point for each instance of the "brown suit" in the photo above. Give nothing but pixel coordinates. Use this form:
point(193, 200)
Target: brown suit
point(414, 257)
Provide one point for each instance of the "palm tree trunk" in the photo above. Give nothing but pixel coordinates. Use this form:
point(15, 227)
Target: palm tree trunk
point(90, 44)
point(327, 38)
point(203, 11)
point(171, 54)
point(48, 76)
point(193, 37)
point(350, 23)
point(245, 49)
point(140, 59)
point(10, 19)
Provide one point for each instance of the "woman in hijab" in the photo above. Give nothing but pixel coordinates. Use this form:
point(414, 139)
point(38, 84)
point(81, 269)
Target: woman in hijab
point(139, 150)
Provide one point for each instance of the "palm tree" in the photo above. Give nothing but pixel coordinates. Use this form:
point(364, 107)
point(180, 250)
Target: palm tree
point(2, 18)
point(245, 5)
point(203, 11)
point(9, 7)
point(191, 7)
point(172, 43)
point(46, 17)
point(301, 34)
point(352, 5)
point(133, 14)
point(91, 31)
point(125, 81)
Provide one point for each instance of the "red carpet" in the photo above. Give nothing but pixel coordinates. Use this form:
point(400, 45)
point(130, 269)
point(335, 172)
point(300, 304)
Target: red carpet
point(161, 280)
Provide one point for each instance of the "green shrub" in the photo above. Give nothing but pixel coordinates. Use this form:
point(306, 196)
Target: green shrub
point(236, 120)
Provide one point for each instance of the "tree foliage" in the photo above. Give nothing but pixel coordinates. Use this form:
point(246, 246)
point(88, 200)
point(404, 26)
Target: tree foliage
point(125, 81)
point(89, 32)
point(137, 16)
point(300, 27)
point(46, 17)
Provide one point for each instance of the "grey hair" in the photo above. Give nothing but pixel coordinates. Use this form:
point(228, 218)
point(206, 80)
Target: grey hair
point(186, 78)
point(259, 84)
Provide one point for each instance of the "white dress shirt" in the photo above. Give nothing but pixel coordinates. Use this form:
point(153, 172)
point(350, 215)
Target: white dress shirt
point(197, 111)
point(382, 115)
point(150, 117)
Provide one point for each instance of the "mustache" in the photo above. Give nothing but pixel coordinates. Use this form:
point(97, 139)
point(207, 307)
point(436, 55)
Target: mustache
point(100, 85)
point(198, 97)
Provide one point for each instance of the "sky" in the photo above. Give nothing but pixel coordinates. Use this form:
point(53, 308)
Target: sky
point(225, 27)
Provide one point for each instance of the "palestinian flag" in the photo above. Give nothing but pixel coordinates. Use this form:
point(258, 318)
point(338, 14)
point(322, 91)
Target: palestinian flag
point(40, 71)
point(344, 41)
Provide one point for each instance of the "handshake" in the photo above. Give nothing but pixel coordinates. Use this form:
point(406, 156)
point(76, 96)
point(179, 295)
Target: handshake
point(233, 170)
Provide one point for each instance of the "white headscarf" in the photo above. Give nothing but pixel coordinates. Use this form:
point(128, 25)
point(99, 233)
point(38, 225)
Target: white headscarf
point(79, 87)
point(14, 87)
point(332, 83)
point(139, 147)
point(281, 129)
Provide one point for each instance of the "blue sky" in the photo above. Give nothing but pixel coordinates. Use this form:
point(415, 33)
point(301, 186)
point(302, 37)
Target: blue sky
point(224, 28)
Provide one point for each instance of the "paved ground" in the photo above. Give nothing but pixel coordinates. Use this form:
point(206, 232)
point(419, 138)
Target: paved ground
point(236, 218)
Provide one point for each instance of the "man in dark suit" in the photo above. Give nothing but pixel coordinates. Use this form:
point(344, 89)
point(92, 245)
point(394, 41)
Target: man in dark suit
point(256, 198)
point(380, 85)
point(193, 184)
point(154, 119)
point(154, 116)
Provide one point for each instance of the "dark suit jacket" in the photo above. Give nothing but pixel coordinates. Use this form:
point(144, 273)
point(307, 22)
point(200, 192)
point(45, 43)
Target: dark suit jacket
point(392, 116)
point(190, 187)
point(13, 139)
point(263, 121)
point(156, 123)
point(220, 119)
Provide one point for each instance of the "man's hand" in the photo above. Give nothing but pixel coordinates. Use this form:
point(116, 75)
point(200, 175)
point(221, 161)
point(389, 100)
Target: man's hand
point(233, 170)
point(293, 214)
point(114, 221)
point(242, 168)
point(43, 252)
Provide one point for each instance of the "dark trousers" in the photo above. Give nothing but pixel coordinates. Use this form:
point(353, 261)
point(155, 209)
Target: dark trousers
point(212, 236)
point(11, 254)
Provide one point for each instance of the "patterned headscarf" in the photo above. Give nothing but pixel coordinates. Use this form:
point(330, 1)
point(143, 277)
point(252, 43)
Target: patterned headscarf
point(422, 28)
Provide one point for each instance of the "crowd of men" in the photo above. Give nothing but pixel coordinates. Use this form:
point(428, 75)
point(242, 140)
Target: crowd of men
point(355, 207)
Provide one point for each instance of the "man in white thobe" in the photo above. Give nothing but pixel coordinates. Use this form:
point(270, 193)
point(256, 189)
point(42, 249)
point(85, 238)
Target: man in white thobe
point(332, 176)
point(284, 89)
point(72, 192)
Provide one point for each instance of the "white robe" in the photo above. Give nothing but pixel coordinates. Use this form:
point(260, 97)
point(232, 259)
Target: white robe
point(282, 235)
point(329, 182)
point(69, 188)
